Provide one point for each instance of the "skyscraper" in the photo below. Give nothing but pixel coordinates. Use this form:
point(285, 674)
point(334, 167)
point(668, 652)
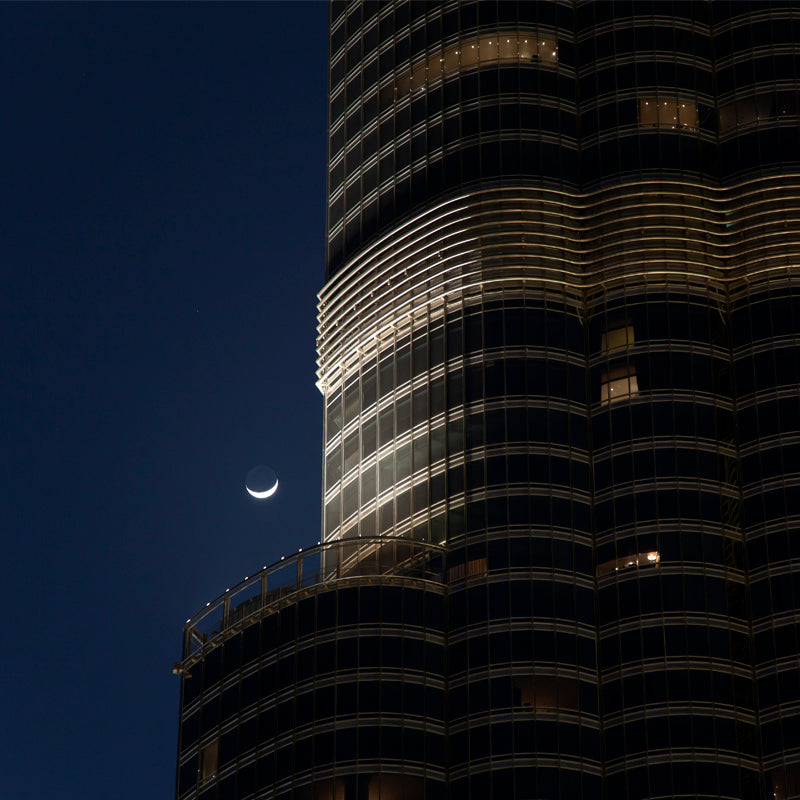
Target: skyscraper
point(558, 346)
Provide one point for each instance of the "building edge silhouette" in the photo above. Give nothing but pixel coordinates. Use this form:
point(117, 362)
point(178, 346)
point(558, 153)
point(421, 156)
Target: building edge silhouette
point(558, 347)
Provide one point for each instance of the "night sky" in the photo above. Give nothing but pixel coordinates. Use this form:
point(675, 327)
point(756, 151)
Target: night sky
point(162, 232)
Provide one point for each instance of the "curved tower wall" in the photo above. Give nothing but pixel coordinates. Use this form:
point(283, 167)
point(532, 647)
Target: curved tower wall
point(558, 348)
point(322, 677)
point(548, 281)
point(429, 98)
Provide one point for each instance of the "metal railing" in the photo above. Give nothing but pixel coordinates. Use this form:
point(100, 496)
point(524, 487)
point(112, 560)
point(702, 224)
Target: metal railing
point(323, 564)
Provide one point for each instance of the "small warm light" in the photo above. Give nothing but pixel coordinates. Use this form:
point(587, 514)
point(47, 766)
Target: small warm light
point(652, 556)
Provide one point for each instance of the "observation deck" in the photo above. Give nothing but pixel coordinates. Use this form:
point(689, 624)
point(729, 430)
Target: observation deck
point(361, 560)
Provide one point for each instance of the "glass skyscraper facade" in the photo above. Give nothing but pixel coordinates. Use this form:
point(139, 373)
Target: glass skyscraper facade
point(559, 352)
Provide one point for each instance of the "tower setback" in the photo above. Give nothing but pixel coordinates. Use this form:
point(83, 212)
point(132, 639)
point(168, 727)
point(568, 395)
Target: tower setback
point(559, 354)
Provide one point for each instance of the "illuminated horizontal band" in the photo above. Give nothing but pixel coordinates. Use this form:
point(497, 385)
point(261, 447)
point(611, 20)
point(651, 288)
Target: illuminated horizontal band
point(520, 238)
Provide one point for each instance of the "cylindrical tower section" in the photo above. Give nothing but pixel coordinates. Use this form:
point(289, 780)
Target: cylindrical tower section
point(320, 678)
point(759, 114)
point(523, 716)
point(673, 629)
point(479, 299)
point(645, 91)
point(758, 88)
point(430, 98)
point(765, 322)
point(765, 334)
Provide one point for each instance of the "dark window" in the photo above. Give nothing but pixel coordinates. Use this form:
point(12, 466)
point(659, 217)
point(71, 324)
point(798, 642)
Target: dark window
point(209, 755)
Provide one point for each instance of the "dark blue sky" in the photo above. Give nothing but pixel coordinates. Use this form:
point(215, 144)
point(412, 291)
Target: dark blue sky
point(162, 234)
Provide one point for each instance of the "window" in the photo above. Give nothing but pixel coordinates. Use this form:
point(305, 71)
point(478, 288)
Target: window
point(758, 109)
point(672, 113)
point(617, 339)
point(327, 789)
point(618, 383)
point(472, 569)
point(386, 786)
point(334, 416)
point(507, 47)
point(786, 782)
point(352, 399)
point(546, 692)
point(208, 761)
point(350, 451)
point(627, 562)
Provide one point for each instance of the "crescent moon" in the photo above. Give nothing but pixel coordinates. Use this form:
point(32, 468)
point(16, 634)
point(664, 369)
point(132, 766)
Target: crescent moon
point(266, 493)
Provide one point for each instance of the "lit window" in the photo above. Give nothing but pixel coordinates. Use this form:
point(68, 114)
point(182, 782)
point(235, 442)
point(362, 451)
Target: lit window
point(496, 48)
point(208, 761)
point(619, 383)
point(389, 786)
point(786, 782)
point(670, 113)
point(472, 569)
point(327, 789)
point(617, 339)
point(650, 559)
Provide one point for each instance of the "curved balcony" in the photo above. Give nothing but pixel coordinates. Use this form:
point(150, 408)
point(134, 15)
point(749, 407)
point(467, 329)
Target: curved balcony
point(363, 560)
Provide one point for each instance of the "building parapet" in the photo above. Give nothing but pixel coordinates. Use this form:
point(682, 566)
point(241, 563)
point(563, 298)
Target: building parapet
point(357, 559)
